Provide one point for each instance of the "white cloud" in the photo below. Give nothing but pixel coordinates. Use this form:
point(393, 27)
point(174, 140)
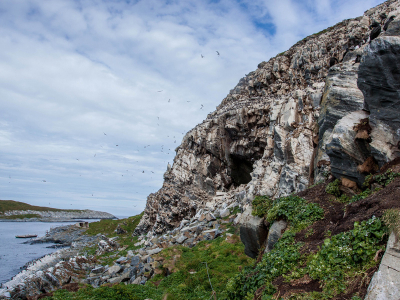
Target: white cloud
point(71, 71)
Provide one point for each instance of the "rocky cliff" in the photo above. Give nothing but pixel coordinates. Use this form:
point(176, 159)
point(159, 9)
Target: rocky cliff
point(290, 122)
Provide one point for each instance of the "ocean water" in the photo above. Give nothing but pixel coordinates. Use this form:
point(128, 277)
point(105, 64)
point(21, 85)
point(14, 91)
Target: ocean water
point(13, 253)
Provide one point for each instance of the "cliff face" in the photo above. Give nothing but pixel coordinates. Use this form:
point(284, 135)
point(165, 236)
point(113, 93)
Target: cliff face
point(284, 125)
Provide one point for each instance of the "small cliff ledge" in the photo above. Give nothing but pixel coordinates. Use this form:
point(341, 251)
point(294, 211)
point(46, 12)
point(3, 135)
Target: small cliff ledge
point(288, 124)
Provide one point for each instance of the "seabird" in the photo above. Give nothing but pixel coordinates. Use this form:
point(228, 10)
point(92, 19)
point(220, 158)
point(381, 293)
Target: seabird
point(376, 30)
point(217, 52)
point(159, 91)
point(201, 55)
point(169, 100)
point(385, 27)
point(104, 133)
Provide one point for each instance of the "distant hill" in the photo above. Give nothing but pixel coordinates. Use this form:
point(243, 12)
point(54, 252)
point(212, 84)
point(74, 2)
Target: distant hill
point(7, 205)
point(15, 210)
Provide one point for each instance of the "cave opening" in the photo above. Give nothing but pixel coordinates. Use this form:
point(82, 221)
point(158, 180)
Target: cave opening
point(240, 170)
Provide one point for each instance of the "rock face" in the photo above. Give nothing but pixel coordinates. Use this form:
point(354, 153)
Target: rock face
point(385, 284)
point(379, 80)
point(270, 135)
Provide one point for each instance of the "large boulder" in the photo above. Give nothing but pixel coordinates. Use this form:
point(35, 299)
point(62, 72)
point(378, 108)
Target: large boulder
point(379, 80)
point(274, 234)
point(253, 233)
point(345, 152)
point(385, 284)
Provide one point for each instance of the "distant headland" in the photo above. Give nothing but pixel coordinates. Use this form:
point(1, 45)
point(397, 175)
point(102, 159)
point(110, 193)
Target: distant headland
point(14, 211)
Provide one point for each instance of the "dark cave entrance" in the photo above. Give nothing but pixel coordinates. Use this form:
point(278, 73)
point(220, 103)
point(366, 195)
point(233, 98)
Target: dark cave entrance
point(240, 170)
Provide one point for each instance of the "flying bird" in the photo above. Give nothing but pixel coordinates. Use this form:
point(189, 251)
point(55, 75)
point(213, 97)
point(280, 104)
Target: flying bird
point(201, 55)
point(159, 91)
point(94, 155)
point(217, 52)
point(44, 180)
point(201, 106)
point(142, 171)
point(104, 134)
point(116, 145)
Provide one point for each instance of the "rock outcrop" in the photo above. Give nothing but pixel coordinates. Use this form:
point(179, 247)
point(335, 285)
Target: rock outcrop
point(270, 134)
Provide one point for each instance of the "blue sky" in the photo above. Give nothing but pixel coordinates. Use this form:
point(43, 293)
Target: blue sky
point(78, 78)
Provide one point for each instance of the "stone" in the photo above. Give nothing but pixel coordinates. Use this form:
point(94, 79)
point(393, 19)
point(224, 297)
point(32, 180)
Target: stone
point(135, 261)
point(385, 284)
point(154, 251)
point(137, 280)
point(210, 217)
point(114, 269)
point(224, 212)
point(181, 239)
point(121, 259)
point(252, 233)
point(98, 269)
point(344, 152)
point(274, 234)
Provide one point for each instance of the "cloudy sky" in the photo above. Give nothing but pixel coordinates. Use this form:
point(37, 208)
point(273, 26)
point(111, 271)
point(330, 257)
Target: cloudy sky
point(95, 95)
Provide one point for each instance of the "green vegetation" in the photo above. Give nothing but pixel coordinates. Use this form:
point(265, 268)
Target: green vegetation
point(117, 292)
point(381, 179)
point(333, 188)
point(286, 253)
point(340, 259)
point(298, 211)
point(345, 255)
point(391, 217)
point(108, 227)
point(261, 205)
point(6, 205)
point(189, 279)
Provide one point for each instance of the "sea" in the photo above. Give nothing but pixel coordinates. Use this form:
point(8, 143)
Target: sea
point(14, 254)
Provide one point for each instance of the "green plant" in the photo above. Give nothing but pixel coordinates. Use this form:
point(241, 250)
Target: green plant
point(309, 233)
point(391, 218)
point(296, 210)
point(346, 252)
point(333, 188)
point(261, 205)
point(382, 179)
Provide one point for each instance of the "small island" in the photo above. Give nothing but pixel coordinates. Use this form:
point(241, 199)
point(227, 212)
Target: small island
point(15, 211)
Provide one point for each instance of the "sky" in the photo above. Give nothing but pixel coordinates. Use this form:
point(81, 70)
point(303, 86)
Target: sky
point(95, 95)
